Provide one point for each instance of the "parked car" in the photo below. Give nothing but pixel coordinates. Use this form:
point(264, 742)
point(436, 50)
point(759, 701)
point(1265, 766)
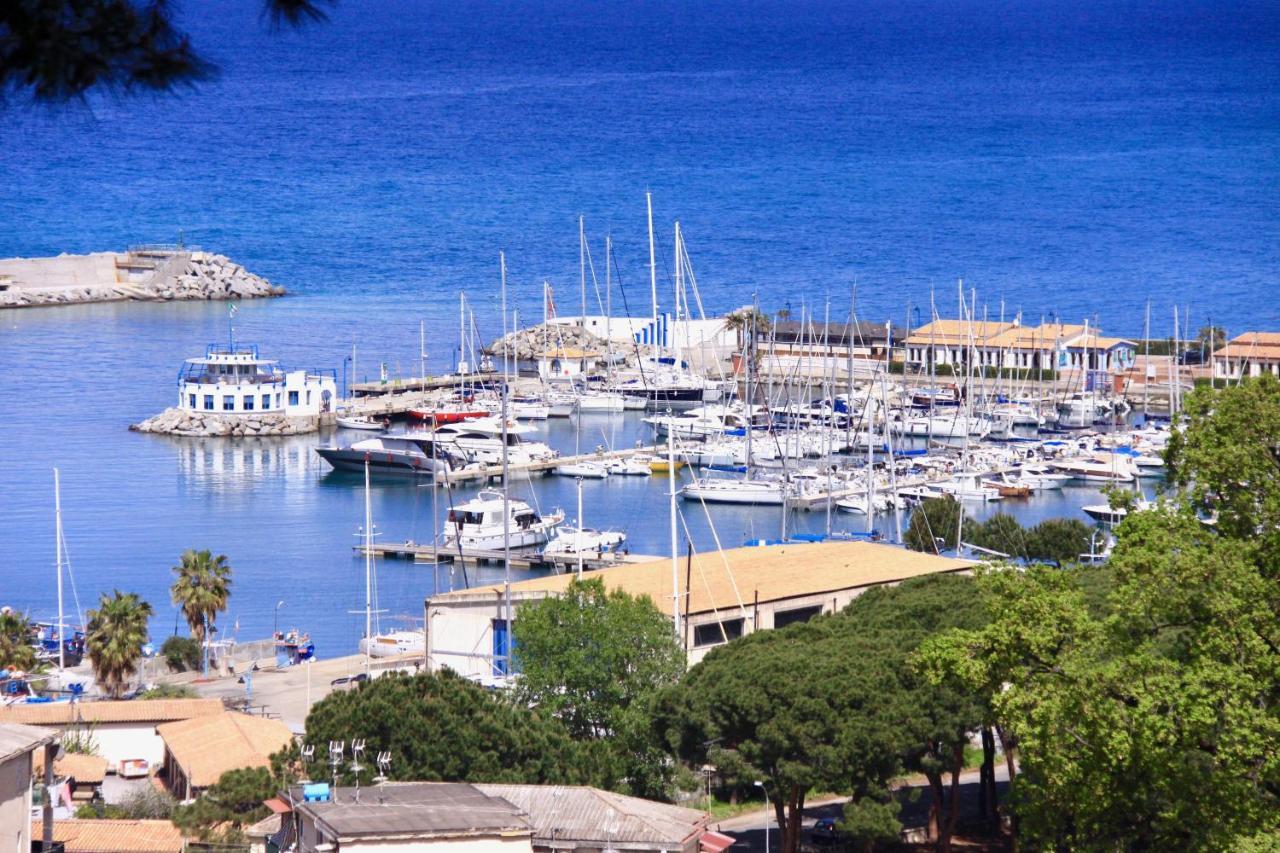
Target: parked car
point(824, 832)
point(349, 681)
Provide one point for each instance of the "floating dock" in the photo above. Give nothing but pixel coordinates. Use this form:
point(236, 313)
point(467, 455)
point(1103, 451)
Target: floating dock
point(429, 553)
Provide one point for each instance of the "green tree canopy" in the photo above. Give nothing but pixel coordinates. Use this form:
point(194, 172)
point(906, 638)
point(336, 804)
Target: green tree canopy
point(934, 525)
point(15, 644)
point(439, 727)
point(594, 660)
point(114, 638)
point(232, 803)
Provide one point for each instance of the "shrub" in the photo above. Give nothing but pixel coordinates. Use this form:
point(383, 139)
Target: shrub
point(181, 653)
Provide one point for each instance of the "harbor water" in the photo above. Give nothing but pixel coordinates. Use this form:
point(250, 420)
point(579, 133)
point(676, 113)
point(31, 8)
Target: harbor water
point(1065, 162)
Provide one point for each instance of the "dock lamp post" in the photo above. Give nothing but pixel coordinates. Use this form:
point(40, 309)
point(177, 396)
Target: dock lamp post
point(765, 791)
point(275, 619)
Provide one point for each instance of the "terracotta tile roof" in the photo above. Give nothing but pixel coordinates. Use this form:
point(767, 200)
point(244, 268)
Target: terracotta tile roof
point(1261, 346)
point(207, 747)
point(721, 579)
point(957, 331)
point(569, 352)
point(89, 769)
point(114, 836)
point(130, 711)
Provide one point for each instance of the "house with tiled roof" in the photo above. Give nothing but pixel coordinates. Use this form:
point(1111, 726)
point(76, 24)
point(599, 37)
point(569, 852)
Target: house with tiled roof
point(198, 751)
point(1249, 354)
point(1049, 346)
point(122, 730)
point(117, 836)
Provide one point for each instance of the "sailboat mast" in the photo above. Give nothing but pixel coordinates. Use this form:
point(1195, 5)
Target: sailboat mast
point(608, 301)
point(675, 564)
point(368, 570)
point(582, 268)
point(653, 275)
point(581, 526)
point(422, 350)
point(506, 494)
point(57, 535)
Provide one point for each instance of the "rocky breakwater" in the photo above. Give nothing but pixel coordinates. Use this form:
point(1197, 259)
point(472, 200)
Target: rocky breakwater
point(529, 344)
point(209, 276)
point(211, 424)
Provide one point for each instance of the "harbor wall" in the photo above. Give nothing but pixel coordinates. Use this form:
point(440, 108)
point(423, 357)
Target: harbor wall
point(174, 421)
point(143, 274)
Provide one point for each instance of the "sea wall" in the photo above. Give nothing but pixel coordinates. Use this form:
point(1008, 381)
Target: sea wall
point(211, 424)
point(157, 275)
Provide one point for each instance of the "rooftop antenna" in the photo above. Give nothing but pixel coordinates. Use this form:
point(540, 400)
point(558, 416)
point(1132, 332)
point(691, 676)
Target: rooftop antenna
point(336, 748)
point(307, 753)
point(384, 768)
point(357, 752)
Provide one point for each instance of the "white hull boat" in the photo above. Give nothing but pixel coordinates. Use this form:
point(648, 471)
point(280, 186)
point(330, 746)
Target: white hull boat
point(394, 643)
point(572, 541)
point(748, 492)
point(478, 524)
point(361, 422)
point(588, 470)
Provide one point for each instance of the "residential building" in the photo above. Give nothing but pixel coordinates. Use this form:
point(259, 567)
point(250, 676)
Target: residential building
point(1049, 346)
point(117, 836)
point(723, 595)
point(440, 817)
point(198, 751)
point(17, 744)
point(1249, 354)
point(122, 730)
point(83, 774)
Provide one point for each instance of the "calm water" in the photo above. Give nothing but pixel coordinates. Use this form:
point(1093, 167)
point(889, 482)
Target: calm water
point(1062, 159)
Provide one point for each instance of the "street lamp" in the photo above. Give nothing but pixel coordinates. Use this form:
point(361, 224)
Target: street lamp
point(275, 619)
point(765, 791)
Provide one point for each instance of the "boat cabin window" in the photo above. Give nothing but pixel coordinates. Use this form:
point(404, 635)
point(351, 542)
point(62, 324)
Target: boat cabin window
point(461, 517)
point(525, 520)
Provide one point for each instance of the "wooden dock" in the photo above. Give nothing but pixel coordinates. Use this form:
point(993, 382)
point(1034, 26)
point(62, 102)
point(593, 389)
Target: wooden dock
point(420, 384)
point(429, 553)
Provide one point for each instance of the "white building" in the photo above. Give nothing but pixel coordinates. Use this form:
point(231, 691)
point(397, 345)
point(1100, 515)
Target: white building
point(567, 363)
point(235, 381)
point(1050, 346)
point(17, 745)
point(723, 595)
point(122, 730)
point(696, 341)
point(1250, 354)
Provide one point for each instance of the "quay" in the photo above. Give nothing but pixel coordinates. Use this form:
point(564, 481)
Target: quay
point(427, 553)
point(393, 387)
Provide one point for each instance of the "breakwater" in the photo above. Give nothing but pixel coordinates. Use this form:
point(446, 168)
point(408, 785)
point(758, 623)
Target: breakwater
point(145, 274)
point(175, 421)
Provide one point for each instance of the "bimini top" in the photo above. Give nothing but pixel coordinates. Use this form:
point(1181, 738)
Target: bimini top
point(239, 354)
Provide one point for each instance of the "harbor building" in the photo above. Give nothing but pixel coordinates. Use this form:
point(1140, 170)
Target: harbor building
point(1249, 354)
point(817, 349)
point(234, 380)
point(722, 595)
point(568, 363)
point(18, 745)
point(1049, 346)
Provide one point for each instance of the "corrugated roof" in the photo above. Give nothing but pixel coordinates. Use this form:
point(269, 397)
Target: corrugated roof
point(114, 836)
point(17, 739)
point(129, 711)
point(417, 809)
point(89, 769)
point(589, 817)
point(207, 747)
point(722, 579)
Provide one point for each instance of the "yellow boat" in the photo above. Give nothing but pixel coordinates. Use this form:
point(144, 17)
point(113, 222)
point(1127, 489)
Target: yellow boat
point(662, 466)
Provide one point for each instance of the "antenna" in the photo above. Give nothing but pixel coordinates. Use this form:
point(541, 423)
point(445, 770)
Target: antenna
point(307, 753)
point(384, 768)
point(335, 759)
point(357, 752)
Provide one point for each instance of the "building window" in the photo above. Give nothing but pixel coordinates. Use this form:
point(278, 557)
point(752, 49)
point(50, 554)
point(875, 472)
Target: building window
point(783, 618)
point(293, 398)
point(208, 402)
point(248, 402)
point(308, 396)
point(714, 633)
point(266, 401)
point(191, 401)
point(228, 403)
point(277, 399)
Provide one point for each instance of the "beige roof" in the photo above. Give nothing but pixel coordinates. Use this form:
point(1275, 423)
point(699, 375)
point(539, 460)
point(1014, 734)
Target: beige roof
point(18, 739)
point(958, 331)
point(207, 747)
point(570, 352)
point(129, 711)
point(1263, 346)
point(723, 580)
point(83, 768)
point(590, 818)
point(114, 836)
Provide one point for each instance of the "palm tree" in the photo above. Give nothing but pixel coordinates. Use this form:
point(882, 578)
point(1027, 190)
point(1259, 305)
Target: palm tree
point(15, 649)
point(114, 639)
point(201, 589)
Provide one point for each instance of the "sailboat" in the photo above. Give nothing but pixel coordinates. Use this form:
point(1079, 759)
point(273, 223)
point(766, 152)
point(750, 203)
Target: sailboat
point(376, 644)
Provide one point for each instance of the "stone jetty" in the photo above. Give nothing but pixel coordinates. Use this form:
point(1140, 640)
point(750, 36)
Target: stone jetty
point(154, 274)
point(210, 424)
point(528, 344)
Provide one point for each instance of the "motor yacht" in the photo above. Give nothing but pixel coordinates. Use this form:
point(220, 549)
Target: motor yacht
point(479, 524)
point(399, 455)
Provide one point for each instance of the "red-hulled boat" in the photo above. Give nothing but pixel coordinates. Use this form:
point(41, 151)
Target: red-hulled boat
point(441, 415)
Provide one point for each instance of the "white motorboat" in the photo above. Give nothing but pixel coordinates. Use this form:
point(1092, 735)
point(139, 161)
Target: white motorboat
point(704, 421)
point(1108, 514)
point(967, 486)
point(362, 422)
point(631, 467)
point(480, 440)
point(388, 454)
point(751, 492)
point(1042, 478)
point(588, 469)
point(602, 401)
point(954, 425)
point(1114, 469)
point(519, 408)
point(478, 524)
point(572, 541)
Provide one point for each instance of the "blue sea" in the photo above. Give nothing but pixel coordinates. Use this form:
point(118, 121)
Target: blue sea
point(1065, 159)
